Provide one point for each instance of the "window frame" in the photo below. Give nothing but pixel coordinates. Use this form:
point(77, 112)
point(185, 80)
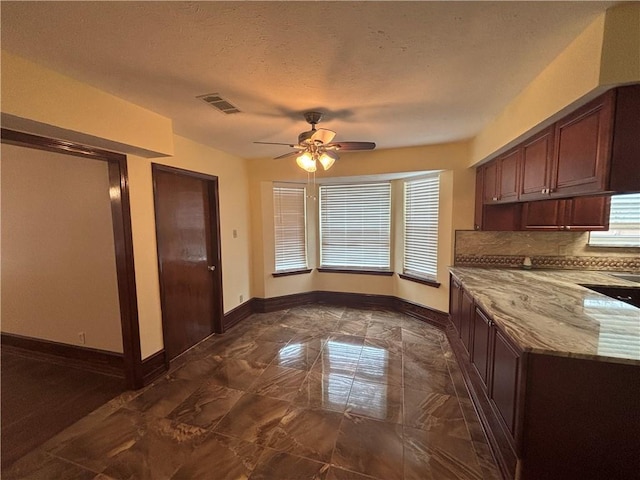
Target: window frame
point(619, 229)
point(371, 269)
point(414, 272)
point(300, 268)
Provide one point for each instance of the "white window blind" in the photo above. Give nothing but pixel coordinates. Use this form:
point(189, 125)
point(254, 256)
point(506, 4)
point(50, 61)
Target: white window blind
point(355, 226)
point(290, 227)
point(624, 223)
point(421, 227)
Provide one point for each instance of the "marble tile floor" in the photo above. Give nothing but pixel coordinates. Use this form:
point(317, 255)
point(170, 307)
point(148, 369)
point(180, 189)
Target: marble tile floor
point(314, 392)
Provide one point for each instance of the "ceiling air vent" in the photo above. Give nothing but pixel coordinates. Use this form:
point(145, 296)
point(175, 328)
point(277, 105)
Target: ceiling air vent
point(219, 103)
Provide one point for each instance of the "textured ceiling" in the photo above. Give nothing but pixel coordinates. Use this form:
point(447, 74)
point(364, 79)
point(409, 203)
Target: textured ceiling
point(396, 73)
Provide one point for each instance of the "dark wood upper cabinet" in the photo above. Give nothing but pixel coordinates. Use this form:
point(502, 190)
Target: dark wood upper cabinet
point(537, 160)
point(501, 179)
point(509, 176)
point(625, 153)
point(477, 220)
point(578, 214)
point(593, 151)
point(543, 215)
point(490, 182)
point(588, 213)
point(583, 149)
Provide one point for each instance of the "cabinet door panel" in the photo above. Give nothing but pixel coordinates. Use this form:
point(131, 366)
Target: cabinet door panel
point(455, 298)
point(505, 378)
point(480, 355)
point(537, 157)
point(478, 217)
point(543, 215)
point(583, 149)
point(588, 213)
point(509, 175)
point(490, 182)
point(502, 217)
point(466, 320)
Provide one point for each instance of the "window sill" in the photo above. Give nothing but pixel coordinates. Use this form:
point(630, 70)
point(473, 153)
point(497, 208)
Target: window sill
point(423, 281)
point(386, 273)
point(291, 272)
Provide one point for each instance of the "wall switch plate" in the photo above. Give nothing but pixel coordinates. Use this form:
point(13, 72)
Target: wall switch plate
point(241, 298)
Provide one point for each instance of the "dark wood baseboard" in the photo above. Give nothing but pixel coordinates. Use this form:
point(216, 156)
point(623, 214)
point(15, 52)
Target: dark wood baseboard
point(154, 366)
point(273, 304)
point(238, 314)
point(91, 359)
point(355, 300)
point(429, 315)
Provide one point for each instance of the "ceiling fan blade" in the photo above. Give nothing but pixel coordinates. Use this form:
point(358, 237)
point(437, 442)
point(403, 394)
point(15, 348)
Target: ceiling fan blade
point(286, 155)
point(275, 143)
point(323, 135)
point(352, 145)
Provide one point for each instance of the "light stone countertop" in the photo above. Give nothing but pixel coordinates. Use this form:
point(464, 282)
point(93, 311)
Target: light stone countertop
point(548, 311)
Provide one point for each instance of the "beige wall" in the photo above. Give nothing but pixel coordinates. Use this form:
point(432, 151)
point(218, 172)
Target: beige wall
point(58, 256)
point(41, 101)
point(455, 178)
point(234, 215)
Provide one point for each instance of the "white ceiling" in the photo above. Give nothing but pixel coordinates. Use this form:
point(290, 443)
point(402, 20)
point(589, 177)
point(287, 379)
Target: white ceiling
point(395, 73)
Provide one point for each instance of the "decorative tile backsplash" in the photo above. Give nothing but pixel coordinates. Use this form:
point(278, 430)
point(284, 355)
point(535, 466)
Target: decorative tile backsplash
point(553, 250)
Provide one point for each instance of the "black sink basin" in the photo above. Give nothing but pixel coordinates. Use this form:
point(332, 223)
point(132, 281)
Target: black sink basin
point(631, 277)
point(630, 295)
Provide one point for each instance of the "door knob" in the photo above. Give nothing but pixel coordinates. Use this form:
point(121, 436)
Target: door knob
point(211, 268)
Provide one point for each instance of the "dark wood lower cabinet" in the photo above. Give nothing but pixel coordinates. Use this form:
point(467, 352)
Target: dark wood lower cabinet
point(480, 351)
point(581, 420)
point(547, 417)
point(505, 374)
point(455, 300)
point(466, 320)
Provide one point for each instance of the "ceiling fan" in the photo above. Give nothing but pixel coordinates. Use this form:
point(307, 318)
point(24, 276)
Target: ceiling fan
point(316, 145)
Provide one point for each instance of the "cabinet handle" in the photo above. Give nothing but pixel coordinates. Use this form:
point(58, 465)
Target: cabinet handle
point(495, 199)
point(568, 227)
point(549, 190)
point(623, 298)
point(543, 191)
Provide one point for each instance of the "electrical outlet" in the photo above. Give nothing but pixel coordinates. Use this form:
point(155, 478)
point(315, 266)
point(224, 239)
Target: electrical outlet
point(235, 233)
point(241, 298)
point(82, 338)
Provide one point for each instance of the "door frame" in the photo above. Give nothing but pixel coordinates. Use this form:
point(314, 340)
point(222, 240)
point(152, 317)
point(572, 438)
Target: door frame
point(217, 322)
point(123, 240)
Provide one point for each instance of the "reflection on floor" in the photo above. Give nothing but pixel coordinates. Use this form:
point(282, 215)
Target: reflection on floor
point(41, 398)
point(315, 392)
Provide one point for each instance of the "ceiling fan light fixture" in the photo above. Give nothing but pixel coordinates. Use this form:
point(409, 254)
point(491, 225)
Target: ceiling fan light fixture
point(306, 162)
point(326, 161)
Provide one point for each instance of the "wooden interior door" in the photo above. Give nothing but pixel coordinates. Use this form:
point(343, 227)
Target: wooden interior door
point(187, 229)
